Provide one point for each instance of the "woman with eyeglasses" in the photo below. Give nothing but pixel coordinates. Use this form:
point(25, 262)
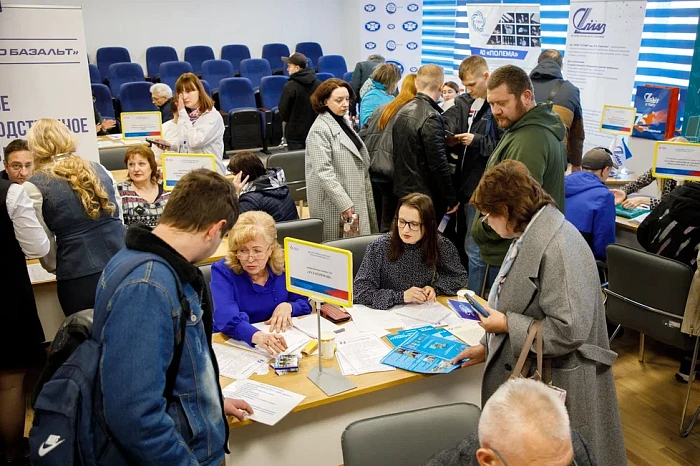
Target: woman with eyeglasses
point(248, 285)
point(410, 264)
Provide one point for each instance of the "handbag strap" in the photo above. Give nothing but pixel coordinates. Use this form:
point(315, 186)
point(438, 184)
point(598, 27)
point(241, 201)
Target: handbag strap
point(535, 330)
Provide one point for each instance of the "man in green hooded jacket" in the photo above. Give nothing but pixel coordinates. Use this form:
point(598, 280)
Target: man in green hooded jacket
point(534, 135)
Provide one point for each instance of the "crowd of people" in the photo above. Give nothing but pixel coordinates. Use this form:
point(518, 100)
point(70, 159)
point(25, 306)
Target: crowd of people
point(491, 163)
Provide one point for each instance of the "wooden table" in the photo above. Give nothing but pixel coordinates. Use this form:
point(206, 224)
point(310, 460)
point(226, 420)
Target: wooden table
point(621, 180)
point(105, 142)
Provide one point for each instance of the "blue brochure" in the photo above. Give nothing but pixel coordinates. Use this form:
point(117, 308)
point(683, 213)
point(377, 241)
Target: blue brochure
point(464, 309)
point(396, 339)
point(425, 353)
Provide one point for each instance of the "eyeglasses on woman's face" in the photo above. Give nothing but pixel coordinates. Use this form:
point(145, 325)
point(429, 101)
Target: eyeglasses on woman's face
point(413, 226)
point(256, 253)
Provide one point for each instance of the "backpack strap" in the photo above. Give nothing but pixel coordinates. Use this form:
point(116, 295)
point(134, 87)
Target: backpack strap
point(555, 90)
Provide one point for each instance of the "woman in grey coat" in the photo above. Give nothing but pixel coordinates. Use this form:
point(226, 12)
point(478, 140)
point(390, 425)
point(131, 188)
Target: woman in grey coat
point(337, 164)
point(548, 275)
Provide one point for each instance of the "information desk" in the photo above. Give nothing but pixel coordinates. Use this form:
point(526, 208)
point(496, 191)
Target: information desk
point(105, 142)
point(120, 175)
point(626, 232)
point(621, 180)
point(310, 435)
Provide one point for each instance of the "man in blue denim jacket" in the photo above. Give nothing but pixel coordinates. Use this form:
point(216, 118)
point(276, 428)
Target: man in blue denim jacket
point(138, 338)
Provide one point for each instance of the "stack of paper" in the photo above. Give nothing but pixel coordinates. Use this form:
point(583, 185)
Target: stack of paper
point(294, 338)
point(38, 274)
point(469, 332)
point(431, 313)
point(269, 403)
point(369, 320)
point(236, 363)
point(361, 355)
point(309, 325)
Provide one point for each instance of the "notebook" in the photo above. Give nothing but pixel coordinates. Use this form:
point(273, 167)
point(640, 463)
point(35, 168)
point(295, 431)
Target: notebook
point(629, 213)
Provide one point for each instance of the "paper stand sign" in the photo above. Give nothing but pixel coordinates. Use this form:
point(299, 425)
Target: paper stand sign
point(176, 165)
point(617, 120)
point(139, 125)
point(321, 273)
point(677, 160)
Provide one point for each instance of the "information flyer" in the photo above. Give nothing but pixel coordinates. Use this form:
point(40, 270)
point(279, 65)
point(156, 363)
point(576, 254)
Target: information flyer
point(176, 165)
point(141, 125)
point(677, 160)
point(424, 351)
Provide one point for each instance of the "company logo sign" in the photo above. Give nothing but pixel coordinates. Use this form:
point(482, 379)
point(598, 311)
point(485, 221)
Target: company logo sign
point(391, 8)
point(369, 8)
point(391, 45)
point(413, 69)
point(370, 46)
point(373, 26)
point(478, 21)
point(650, 99)
point(583, 24)
point(391, 26)
point(413, 7)
point(409, 26)
point(412, 46)
point(397, 63)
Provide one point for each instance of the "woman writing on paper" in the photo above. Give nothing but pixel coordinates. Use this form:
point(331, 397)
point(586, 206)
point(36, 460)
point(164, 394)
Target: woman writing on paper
point(143, 197)
point(412, 263)
point(249, 285)
point(549, 275)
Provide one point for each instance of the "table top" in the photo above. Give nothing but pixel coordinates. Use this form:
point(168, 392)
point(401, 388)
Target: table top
point(621, 180)
point(298, 382)
point(106, 142)
point(626, 224)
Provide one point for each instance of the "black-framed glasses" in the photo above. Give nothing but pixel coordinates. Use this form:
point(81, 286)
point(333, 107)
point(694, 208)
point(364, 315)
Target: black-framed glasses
point(505, 463)
point(413, 226)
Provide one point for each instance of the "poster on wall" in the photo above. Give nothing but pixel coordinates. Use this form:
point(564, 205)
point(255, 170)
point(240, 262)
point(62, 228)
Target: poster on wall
point(602, 48)
point(44, 73)
point(505, 34)
point(392, 30)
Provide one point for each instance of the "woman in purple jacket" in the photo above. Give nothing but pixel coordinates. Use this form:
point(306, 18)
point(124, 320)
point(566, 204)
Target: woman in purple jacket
point(249, 285)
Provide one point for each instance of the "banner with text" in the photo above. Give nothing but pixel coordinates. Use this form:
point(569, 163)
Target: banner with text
point(392, 30)
point(602, 48)
point(44, 73)
point(505, 34)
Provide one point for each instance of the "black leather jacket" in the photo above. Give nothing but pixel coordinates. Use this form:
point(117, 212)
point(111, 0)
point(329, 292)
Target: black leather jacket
point(420, 161)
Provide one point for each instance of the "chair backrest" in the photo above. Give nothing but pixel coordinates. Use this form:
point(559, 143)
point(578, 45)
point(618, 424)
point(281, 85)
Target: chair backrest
point(307, 229)
point(136, 97)
point(108, 56)
point(273, 53)
point(113, 157)
point(122, 73)
point(293, 164)
point(324, 76)
point(103, 100)
point(357, 246)
point(215, 70)
point(206, 86)
point(170, 71)
point(409, 438)
point(271, 91)
point(236, 93)
point(638, 283)
point(234, 53)
point(157, 55)
point(206, 272)
point(195, 55)
point(255, 69)
point(347, 77)
point(312, 50)
point(95, 77)
point(334, 64)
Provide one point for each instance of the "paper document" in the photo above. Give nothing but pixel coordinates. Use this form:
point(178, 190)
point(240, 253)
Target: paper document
point(426, 353)
point(236, 363)
point(431, 313)
point(38, 274)
point(469, 332)
point(114, 136)
point(295, 339)
point(269, 403)
point(640, 218)
point(364, 353)
point(309, 325)
point(104, 144)
point(369, 320)
point(350, 330)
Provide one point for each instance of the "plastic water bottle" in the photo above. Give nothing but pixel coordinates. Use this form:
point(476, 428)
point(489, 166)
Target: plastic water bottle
point(183, 148)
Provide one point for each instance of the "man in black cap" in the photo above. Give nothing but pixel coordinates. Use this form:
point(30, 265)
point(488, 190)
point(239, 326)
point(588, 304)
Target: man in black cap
point(590, 205)
point(295, 103)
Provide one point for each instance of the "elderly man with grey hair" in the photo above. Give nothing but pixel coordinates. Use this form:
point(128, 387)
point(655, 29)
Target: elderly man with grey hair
point(161, 95)
point(524, 423)
point(362, 72)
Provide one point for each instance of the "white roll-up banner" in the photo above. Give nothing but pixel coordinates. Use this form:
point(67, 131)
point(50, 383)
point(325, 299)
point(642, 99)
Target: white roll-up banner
point(602, 49)
point(392, 30)
point(44, 73)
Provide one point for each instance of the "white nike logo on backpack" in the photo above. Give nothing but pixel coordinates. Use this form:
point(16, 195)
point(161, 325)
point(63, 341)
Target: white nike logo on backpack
point(52, 442)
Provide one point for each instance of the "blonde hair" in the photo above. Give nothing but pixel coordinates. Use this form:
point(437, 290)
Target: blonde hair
point(472, 65)
point(430, 77)
point(51, 142)
point(249, 227)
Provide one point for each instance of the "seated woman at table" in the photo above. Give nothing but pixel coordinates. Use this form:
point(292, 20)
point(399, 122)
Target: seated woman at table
point(248, 285)
point(410, 264)
point(143, 197)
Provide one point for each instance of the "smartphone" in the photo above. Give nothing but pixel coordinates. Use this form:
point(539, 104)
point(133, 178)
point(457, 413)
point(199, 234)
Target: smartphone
point(449, 134)
point(475, 304)
point(156, 143)
point(443, 223)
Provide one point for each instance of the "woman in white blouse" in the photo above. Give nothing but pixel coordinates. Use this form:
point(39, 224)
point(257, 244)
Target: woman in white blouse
point(200, 128)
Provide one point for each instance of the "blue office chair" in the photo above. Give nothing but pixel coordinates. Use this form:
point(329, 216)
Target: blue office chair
point(95, 77)
point(122, 73)
point(324, 76)
point(270, 93)
point(216, 70)
point(312, 50)
point(255, 69)
point(157, 55)
point(235, 53)
point(103, 100)
point(245, 122)
point(170, 71)
point(273, 53)
point(206, 86)
point(347, 77)
point(309, 63)
point(195, 55)
point(108, 56)
point(136, 97)
point(334, 64)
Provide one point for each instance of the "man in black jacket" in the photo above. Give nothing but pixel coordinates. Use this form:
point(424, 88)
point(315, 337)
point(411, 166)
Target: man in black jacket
point(476, 135)
point(295, 102)
point(420, 160)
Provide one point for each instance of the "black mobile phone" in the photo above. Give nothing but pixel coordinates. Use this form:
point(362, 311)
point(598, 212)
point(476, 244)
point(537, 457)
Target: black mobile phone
point(475, 304)
point(449, 134)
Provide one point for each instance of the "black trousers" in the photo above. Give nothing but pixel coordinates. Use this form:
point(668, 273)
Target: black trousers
point(77, 294)
point(385, 202)
point(296, 145)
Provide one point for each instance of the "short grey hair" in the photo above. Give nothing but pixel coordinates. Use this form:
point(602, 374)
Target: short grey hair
point(376, 58)
point(161, 90)
point(522, 406)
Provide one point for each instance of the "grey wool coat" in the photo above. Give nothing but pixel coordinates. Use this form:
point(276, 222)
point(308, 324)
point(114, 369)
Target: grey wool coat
point(554, 279)
point(337, 178)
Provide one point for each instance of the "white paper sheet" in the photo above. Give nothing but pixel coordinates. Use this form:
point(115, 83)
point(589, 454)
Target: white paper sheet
point(309, 325)
point(295, 339)
point(270, 404)
point(350, 330)
point(368, 320)
point(452, 319)
point(469, 332)
point(236, 363)
point(38, 274)
point(640, 218)
point(364, 353)
point(430, 313)
point(345, 367)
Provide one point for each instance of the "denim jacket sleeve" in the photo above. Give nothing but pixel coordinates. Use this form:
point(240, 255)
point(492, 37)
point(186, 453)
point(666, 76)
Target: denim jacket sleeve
point(228, 317)
point(135, 409)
